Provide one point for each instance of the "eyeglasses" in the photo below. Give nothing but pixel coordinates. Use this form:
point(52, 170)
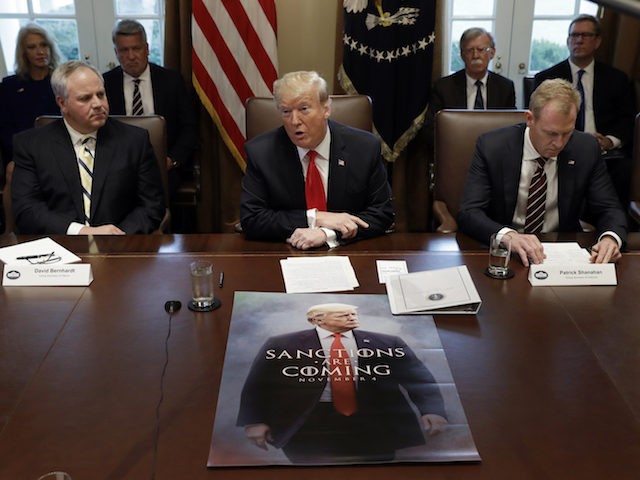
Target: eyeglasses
point(478, 50)
point(585, 35)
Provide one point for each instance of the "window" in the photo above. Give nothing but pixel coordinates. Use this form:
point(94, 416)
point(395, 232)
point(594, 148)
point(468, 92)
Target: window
point(530, 36)
point(82, 28)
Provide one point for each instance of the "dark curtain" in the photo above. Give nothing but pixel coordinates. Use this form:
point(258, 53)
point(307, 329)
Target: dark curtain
point(621, 46)
point(219, 175)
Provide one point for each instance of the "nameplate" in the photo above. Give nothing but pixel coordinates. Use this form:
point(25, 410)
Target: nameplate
point(69, 275)
point(572, 274)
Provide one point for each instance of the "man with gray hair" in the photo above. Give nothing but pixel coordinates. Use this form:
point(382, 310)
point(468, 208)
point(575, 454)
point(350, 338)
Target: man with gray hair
point(533, 178)
point(336, 393)
point(313, 181)
point(138, 87)
point(85, 173)
point(474, 87)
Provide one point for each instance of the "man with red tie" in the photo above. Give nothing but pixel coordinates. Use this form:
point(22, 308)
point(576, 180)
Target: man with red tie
point(334, 393)
point(313, 181)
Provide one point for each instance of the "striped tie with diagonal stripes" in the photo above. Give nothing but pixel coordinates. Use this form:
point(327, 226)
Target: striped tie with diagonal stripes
point(537, 199)
point(137, 108)
point(85, 163)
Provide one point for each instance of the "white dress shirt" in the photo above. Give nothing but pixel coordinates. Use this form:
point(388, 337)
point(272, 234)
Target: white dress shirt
point(76, 140)
point(146, 91)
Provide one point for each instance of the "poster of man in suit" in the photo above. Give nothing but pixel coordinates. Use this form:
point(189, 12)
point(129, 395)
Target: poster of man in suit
point(330, 379)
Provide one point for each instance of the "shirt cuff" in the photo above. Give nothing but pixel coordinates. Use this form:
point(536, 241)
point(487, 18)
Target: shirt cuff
point(74, 228)
point(332, 237)
point(311, 217)
point(503, 231)
point(614, 235)
point(617, 143)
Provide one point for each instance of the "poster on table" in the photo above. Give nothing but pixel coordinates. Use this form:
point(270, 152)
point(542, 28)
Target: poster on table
point(276, 405)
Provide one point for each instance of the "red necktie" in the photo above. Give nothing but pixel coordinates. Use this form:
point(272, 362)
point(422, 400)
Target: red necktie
point(313, 188)
point(343, 389)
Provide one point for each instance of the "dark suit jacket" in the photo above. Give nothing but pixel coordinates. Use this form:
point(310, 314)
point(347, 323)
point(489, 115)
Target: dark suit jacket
point(451, 92)
point(613, 104)
point(283, 402)
point(491, 189)
point(171, 100)
point(273, 201)
point(47, 193)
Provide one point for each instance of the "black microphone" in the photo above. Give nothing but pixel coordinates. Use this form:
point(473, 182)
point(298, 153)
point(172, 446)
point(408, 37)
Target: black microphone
point(171, 307)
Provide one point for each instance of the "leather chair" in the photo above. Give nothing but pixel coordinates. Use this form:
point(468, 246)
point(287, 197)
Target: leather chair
point(456, 132)
point(156, 126)
point(634, 191)
point(6, 199)
point(353, 110)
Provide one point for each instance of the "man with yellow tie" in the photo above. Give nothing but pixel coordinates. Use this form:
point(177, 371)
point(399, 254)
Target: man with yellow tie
point(85, 173)
point(313, 181)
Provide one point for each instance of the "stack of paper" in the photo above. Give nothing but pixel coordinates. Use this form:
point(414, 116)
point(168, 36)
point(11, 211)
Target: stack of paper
point(318, 274)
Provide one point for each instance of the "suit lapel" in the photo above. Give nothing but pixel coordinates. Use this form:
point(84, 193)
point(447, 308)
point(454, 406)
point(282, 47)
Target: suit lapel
point(338, 168)
point(287, 155)
point(64, 153)
point(460, 92)
point(566, 184)
point(511, 167)
point(105, 151)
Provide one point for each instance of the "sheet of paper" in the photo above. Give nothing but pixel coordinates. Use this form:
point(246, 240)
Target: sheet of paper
point(43, 251)
point(386, 268)
point(565, 253)
point(318, 274)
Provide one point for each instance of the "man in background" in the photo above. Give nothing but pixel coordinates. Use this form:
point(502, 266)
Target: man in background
point(138, 87)
point(474, 87)
point(533, 178)
point(85, 173)
point(607, 110)
point(313, 181)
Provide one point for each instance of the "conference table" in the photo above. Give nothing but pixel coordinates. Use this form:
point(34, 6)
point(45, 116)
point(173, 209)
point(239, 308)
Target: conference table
point(549, 377)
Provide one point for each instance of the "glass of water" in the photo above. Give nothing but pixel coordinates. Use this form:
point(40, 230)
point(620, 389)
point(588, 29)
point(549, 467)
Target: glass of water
point(499, 255)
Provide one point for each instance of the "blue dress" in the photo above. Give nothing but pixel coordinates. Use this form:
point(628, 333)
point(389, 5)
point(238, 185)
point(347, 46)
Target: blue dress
point(22, 100)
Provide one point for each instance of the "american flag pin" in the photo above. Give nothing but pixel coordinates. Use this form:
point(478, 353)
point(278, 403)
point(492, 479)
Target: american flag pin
point(571, 162)
point(341, 163)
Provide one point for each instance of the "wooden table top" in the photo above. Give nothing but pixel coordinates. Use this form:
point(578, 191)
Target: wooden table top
point(548, 376)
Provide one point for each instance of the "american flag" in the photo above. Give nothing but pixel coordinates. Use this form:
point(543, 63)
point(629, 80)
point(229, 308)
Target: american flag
point(234, 58)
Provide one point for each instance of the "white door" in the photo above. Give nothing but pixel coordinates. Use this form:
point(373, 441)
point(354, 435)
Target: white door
point(530, 35)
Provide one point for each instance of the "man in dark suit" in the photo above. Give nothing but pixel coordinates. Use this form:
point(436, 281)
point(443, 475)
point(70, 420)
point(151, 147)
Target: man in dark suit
point(461, 89)
point(501, 184)
point(608, 107)
point(294, 395)
point(162, 92)
point(346, 196)
point(54, 162)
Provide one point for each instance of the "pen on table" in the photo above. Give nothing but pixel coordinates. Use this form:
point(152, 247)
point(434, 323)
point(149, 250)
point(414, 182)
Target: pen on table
point(221, 280)
point(32, 257)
